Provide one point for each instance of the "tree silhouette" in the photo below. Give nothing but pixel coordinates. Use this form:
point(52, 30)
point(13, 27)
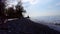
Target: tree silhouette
point(11, 12)
point(2, 9)
point(2, 6)
point(15, 13)
point(19, 10)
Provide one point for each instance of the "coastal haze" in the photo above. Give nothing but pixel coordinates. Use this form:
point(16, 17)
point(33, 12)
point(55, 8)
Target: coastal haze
point(51, 21)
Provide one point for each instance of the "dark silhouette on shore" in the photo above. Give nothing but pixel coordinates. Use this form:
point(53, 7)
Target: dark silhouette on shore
point(21, 25)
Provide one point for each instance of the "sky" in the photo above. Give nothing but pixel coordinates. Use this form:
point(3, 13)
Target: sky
point(36, 8)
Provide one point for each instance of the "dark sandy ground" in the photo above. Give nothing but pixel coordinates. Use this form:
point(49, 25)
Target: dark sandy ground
point(25, 26)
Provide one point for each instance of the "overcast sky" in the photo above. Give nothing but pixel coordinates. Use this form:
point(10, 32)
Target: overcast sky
point(40, 7)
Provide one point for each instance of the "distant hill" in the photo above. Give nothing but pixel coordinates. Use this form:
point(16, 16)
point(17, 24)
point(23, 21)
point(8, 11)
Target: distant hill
point(26, 26)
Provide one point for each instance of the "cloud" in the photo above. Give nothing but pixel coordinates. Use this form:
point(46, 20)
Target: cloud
point(32, 2)
point(32, 11)
point(58, 4)
point(11, 2)
point(44, 1)
point(35, 2)
point(25, 1)
point(55, 5)
point(50, 7)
